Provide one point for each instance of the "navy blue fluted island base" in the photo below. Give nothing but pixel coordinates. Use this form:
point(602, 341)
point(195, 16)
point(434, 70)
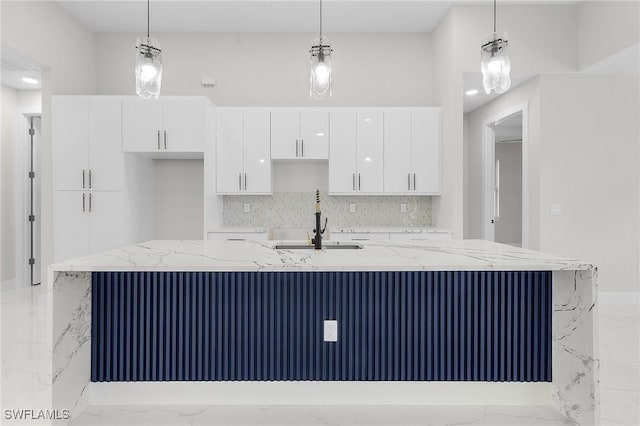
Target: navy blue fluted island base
point(414, 326)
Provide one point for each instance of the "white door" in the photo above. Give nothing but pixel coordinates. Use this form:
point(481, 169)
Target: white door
point(257, 152)
point(230, 151)
point(70, 224)
point(425, 151)
point(314, 135)
point(397, 152)
point(285, 134)
point(142, 125)
point(342, 162)
point(106, 221)
point(370, 152)
point(183, 129)
point(106, 161)
point(70, 132)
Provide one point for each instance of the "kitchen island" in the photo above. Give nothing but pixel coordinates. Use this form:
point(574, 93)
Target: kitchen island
point(240, 311)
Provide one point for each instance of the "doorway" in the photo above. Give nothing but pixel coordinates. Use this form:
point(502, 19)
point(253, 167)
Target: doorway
point(505, 197)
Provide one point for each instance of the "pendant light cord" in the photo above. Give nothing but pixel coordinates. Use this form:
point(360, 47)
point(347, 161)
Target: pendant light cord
point(147, 18)
point(321, 22)
point(494, 16)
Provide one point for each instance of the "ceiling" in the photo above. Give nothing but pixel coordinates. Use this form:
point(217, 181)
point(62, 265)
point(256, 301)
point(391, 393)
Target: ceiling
point(509, 129)
point(14, 66)
point(269, 15)
point(473, 80)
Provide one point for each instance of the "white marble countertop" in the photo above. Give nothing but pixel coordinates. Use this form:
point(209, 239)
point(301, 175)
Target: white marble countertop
point(392, 229)
point(198, 255)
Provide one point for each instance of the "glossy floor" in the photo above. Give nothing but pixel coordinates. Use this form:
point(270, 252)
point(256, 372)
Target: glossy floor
point(25, 363)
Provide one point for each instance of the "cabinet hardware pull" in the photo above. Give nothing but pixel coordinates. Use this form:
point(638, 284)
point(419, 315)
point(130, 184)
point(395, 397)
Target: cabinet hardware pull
point(296, 147)
point(83, 209)
point(414, 181)
point(158, 139)
point(353, 181)
point(89, 201)
point(245, 181)
point(240, 181)
point(165, 139)
point(358, 181)
point(83, 178)
point(89, 178)
point(302, 148)
point(409, 181)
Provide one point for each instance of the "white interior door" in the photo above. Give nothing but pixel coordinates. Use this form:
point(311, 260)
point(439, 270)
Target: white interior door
point(314, 135)
point(425, 151)
point(257, 152)
point(70, 131)
point(71, 225)
point(183, 129)
point(397, 152)
point(142, 125)
point(285, 134)
point(342, 163)
point(106, 162)
point(230, 151)
point(106, 220)
point(370, 177)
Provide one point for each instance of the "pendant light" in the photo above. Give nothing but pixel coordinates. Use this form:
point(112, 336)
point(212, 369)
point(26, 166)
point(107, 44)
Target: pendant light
point(148, 65)
point(496, 64)
point(320, 78)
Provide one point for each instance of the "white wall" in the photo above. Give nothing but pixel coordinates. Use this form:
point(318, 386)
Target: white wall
point(273, 69)
point(45, 32)
point(9, 99)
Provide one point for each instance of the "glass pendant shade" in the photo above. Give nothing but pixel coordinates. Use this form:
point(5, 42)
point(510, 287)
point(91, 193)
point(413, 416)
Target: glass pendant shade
point(496, 64)
point(148, 67)
point(320, 78)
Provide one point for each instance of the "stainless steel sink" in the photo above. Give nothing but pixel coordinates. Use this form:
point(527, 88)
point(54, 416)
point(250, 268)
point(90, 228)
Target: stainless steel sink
point(327, 245)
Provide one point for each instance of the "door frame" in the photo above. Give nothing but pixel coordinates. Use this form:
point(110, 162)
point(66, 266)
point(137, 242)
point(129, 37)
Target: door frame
point(22, 208)
point(488, 167)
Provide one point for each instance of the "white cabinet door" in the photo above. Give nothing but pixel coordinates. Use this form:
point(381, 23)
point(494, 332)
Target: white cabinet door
point(397, 151)
point(142, 125)
point(106, 161)
point(183, 125)
point(230, 151)
point(285, 134)
point(257, 152)
point(370, 162)
point(71, 225)
point(342, 163)
point(106, 221)
point(70, 131)
point(425, 151)
point(314, 135)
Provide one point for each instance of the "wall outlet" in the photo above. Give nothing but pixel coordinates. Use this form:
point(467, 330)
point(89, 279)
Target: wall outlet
point(247, 207)
point(352, 208)
point(403, 208)
point(556, 209)
point(330, 331)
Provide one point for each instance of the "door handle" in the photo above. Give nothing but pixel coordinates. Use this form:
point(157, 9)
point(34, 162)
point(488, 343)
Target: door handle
point(83, 209)
point(165, 139)
point(240, 181)
point(358, 181)
point(414, 181)
point(409, 181)
point(353, 181)
point(296, 147)
point(302, 151)
point(83, 172)
point(245, 181)
point(89, 201)
point(158, 139)
point(89, 178)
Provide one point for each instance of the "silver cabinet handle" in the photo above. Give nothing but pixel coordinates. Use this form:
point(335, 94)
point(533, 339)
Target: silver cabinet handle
point(89, 201)
point(245, 181)
point(83, 178)
point(83, 209)
point(158, 139)
point(165, 139)
point(414, 181)
point(240, 181)
point(353, 181)
point(297, 147)
point(409, 181)
point(302, 151)
point(89, 178)
point(358, 181)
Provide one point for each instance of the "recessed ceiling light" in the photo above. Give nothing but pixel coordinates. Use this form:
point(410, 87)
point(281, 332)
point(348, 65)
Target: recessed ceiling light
point(471, 92)
point(29, 80)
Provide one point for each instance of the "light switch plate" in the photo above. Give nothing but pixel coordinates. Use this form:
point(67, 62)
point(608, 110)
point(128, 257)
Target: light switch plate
point(247, 207)
point(556, 209)
point(352, 208)
point(403, 208)
point(330, 331)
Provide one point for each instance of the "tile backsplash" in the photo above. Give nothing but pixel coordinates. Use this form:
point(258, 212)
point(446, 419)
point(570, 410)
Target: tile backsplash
point(295, 210)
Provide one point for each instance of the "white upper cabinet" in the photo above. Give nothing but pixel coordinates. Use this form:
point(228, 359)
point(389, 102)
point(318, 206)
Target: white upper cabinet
point(87, 143)
point(412, 151)
point(356, 162)
point(299, 134)
point(169, 125)
point(243, 152)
